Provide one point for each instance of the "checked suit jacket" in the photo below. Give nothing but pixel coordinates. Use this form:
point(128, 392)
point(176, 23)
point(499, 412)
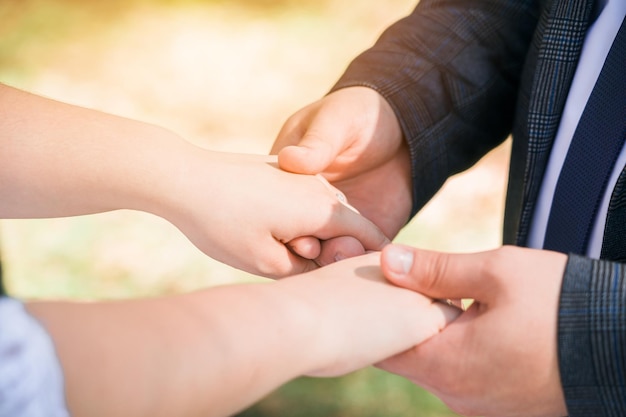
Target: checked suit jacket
point(463, 75)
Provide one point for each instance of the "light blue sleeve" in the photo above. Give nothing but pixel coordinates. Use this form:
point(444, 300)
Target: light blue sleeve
point(31, 379)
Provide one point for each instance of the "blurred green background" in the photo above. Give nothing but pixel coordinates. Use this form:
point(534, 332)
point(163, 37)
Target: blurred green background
point(225, 74)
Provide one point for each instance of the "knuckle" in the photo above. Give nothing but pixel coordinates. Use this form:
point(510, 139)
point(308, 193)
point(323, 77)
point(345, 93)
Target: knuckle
point(273, 267)
point(436, 267)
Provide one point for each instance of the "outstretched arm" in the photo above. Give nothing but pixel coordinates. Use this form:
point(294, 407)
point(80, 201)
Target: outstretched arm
point(216, 351)
point(63, 160)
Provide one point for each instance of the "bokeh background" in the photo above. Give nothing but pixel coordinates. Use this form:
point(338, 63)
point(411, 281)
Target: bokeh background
point(226, 75)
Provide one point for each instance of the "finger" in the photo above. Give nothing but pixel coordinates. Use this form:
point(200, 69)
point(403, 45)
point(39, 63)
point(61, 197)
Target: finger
point(440, 315)
point(339, 248)
point(423, 358)
point(307, 247)
point(317, 149)
point(428, 328)
point(341, 197)
point(434, 319)
point(346, 222)
point(291, 132)
point(279, 262)
point(439, 275)
point(311, 156)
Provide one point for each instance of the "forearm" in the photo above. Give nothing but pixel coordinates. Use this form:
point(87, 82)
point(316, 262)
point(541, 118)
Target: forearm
point(209, 353)
point(213, 352)
point(62, 160)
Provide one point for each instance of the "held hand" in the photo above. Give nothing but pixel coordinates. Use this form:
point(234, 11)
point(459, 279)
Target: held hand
point(499, 358)
point(244, 211)
point(352, 136)
point(63, 160)
point(358, 318)
point(216, 351)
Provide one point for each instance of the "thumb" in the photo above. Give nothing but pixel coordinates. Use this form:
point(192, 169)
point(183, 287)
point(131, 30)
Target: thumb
point(312, 155)
point(438, 275)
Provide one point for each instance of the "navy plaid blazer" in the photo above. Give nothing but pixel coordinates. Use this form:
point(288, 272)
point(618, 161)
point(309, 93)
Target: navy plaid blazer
point(462, 75)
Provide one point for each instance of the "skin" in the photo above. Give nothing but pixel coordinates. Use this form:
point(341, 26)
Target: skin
point(353, 138)
point(472, 365)
point(500, 357)
point(63, 160)
point(211, 352)
point(214, 352)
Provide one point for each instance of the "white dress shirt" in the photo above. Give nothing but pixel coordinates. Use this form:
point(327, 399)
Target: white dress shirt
point(596, 47)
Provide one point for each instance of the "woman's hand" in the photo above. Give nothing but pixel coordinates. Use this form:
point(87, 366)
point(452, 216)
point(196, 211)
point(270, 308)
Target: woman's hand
point(359, 318)
point(216, 351)
point(244, 211)
point(63, 160)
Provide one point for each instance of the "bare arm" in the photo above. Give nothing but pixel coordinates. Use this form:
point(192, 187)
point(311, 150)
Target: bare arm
point(214, 352)
point(62, 160)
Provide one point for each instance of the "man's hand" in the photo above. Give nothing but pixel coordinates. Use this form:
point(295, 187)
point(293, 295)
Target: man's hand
point(353, 138)
point(499, 358)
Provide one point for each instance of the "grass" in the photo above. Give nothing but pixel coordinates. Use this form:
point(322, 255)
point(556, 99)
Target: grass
point(225, 74)
point(369, 392)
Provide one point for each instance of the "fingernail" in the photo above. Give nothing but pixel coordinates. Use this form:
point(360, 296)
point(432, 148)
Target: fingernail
point(399, 259)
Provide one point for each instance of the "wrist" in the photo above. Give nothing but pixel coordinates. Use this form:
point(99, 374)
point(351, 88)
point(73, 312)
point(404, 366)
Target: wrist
point(278, 324)
point(163, 174)
point(309, 322)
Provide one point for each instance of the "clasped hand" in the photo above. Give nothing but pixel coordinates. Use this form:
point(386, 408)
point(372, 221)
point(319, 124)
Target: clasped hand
point(262, 219)
point(497, 358)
